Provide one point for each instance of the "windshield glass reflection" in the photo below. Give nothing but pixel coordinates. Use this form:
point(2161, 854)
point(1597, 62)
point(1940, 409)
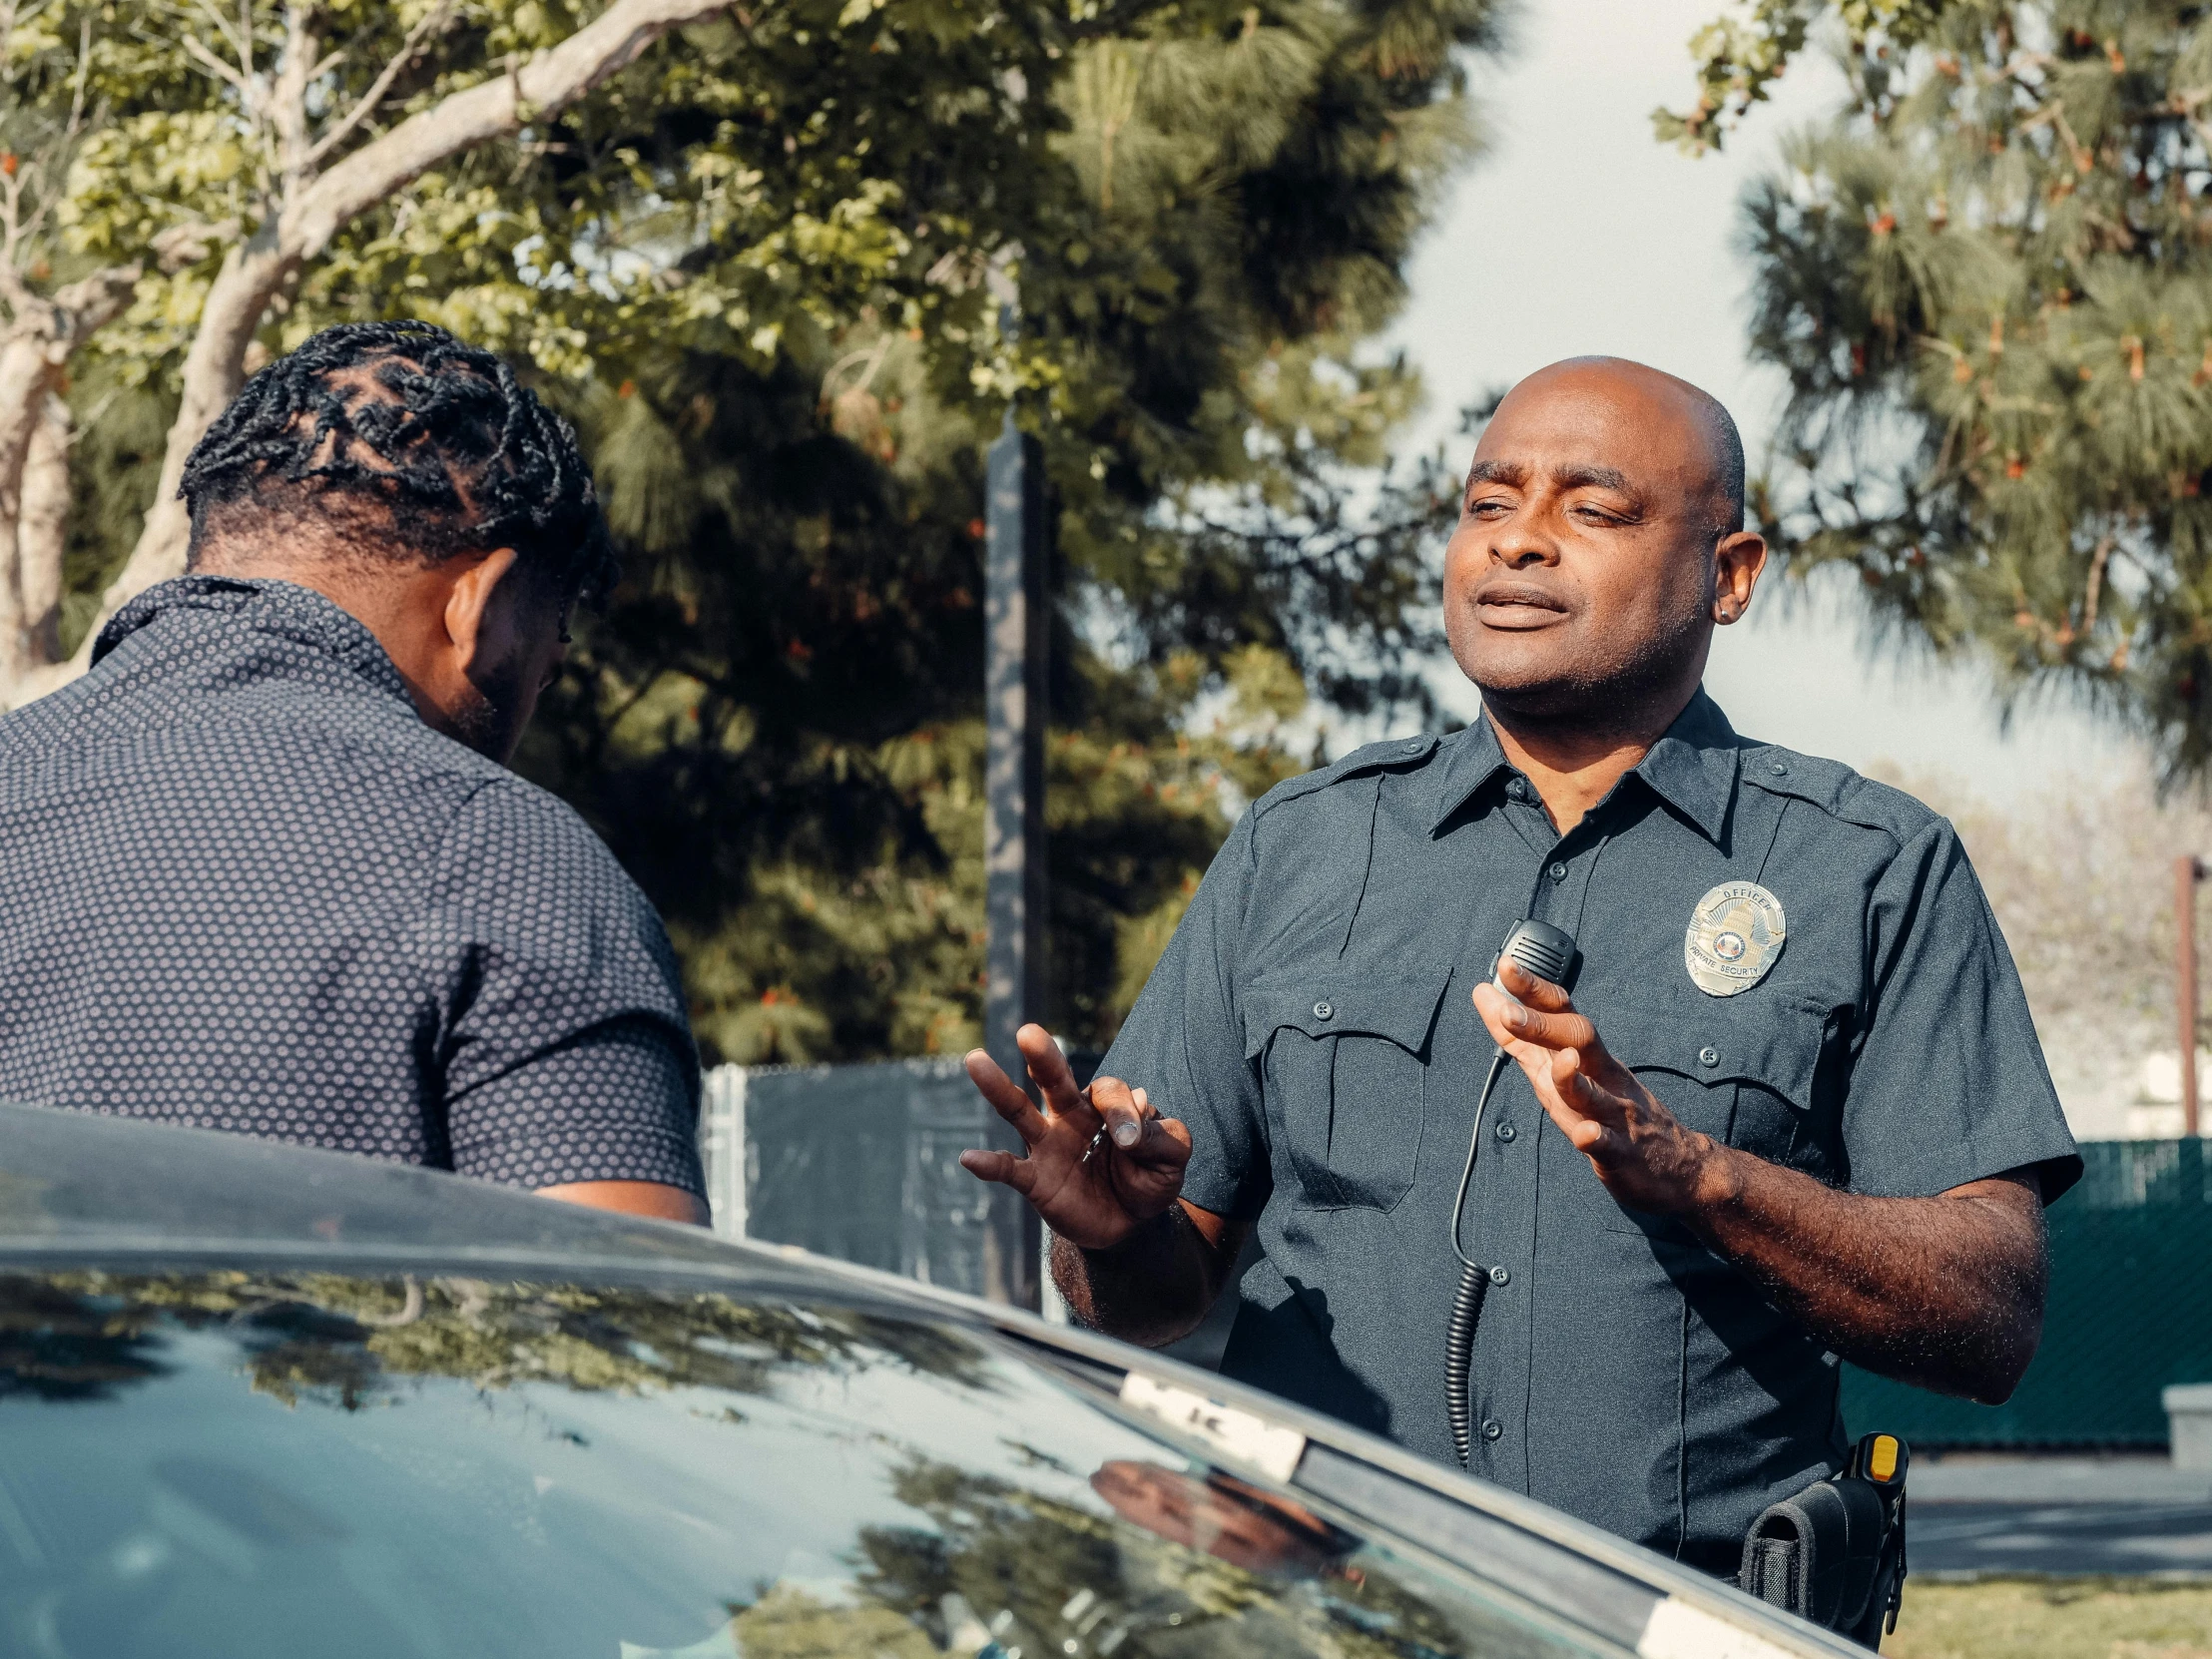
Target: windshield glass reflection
point(246, 1466)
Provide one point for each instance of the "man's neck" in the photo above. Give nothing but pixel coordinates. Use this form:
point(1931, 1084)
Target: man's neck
point(1574, 765)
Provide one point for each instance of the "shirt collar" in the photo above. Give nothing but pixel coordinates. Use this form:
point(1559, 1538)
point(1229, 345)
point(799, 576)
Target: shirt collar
point(1692, 768)
point(1468, 761)
point(285, 609)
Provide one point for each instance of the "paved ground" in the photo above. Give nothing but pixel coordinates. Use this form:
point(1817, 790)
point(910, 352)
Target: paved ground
point(2061, 1515)
point(2169, 1539)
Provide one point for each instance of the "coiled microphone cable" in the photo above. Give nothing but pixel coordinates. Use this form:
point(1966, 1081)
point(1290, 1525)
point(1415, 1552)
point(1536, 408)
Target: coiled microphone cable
point(1548, 953)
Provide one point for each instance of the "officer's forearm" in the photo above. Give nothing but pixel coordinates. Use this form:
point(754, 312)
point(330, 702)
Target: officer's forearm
point(1945, 1292)
point(1152, 1288)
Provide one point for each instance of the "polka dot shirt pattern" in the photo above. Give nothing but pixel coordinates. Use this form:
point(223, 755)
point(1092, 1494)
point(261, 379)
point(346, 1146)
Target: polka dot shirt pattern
point(246, 889)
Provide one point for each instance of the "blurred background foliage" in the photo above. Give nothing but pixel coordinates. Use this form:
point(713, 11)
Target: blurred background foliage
point(766, 268)
point(1988, 283)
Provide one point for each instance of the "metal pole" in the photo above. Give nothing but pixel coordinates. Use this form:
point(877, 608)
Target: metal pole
point(2187, 873)
point(1014, 618)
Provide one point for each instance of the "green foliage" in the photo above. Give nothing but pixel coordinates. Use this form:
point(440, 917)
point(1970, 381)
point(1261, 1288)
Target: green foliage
point(776, 725)
point(1189, 1563)
point(625, 219)
point(1988, 287)
point(343, 1342)
point(763, 268)
point(1741, 54)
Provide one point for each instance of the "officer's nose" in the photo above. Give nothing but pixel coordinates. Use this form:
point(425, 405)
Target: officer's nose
point(1519, 546)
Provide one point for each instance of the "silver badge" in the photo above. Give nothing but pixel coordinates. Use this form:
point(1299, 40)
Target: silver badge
point(1735, 934)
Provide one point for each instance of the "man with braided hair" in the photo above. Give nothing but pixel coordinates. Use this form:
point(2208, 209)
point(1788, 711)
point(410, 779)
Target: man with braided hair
point(267, 868)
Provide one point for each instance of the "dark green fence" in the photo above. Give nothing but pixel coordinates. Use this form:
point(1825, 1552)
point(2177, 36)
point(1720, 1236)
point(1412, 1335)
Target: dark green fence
point(2130, 1311)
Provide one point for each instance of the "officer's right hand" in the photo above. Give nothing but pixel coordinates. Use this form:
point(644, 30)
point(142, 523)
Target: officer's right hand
point(1094, 1192)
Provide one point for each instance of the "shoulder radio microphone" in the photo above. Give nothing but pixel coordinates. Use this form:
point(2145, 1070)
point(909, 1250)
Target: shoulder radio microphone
point(1542, 949)
point(1549, 954)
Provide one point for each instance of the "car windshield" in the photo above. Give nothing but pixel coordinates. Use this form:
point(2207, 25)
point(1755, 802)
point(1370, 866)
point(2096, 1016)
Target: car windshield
point(242, 1466)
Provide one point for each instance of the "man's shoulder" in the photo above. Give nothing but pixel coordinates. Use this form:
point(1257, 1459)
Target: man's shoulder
point(1393, 754)
point(1834, 788)
point(512, 843)
point(512, 811)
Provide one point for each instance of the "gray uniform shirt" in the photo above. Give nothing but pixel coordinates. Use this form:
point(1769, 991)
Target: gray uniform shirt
point(1312, 1023)
point(246, 889)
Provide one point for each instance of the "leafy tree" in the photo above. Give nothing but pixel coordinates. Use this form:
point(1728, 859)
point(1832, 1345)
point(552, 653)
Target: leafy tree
point(1186, 1564)
point(292, 163)
point(341, 1341)
point(767, 268)
point(776, 726)
point(1987, 284)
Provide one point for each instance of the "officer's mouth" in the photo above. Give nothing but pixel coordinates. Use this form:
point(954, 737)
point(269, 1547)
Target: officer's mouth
point(1516, 606)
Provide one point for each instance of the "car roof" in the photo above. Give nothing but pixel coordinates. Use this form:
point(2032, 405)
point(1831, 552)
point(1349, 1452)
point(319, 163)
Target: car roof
point(82, 1189)
point(77, 1176)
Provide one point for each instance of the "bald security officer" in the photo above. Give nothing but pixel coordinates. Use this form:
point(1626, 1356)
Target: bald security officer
point(1793, 1110)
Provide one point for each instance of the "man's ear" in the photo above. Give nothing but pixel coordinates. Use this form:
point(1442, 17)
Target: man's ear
point(1737, 562)
point(468, 603)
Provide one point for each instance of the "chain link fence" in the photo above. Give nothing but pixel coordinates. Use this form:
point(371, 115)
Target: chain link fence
point(862, 1162)
point(858, 1162)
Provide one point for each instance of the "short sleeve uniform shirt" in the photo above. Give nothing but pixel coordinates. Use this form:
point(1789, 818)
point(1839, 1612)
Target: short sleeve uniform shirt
point(246, 889)
point(1310, 1022)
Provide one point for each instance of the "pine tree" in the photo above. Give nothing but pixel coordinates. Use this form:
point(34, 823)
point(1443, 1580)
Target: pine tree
point(1991, 288)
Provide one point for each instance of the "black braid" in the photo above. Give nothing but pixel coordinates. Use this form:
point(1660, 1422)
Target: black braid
point(435, 438)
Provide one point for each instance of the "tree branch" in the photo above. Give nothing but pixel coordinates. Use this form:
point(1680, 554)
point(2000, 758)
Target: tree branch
point(254, 271)
point(92, 303)
point(550, 80)
point(2098, 562)
point(217, 67)
point(433, 22)
point(187, 244)
point(287, 101)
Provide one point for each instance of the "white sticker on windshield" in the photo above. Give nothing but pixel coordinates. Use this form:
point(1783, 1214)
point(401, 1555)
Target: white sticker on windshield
point(1250, 1439)
point(1677, 1630)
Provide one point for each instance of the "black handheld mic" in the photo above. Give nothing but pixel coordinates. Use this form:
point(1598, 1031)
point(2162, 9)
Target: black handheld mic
point(1549, 954)
point(1544, 950)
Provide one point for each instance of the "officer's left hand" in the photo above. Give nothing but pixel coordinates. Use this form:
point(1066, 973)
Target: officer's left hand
point(1640, 1150)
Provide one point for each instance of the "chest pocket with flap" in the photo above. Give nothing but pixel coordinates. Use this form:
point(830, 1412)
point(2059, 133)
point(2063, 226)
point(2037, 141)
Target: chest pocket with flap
point(1344, 1060)
point(1743, 1074)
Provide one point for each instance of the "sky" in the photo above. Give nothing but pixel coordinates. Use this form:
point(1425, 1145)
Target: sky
point(1578, 233)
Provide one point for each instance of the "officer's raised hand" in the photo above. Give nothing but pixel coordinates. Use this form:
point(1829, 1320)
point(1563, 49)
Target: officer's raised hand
point(1642, 1152)
point(1101, 1160)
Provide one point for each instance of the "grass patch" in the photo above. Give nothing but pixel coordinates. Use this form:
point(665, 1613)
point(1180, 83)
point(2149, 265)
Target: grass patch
point(2084, 1618)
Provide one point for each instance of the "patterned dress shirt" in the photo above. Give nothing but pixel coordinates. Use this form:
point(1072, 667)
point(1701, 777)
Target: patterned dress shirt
point(246, 889)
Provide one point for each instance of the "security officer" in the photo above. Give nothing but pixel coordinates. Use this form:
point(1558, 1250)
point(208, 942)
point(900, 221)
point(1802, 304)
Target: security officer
point(1792, 1108)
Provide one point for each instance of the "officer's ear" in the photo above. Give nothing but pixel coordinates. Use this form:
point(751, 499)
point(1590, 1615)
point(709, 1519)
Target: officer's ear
point(1738, 560)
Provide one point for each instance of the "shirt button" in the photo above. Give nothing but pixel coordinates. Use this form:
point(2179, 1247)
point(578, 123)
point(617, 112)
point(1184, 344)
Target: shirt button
point(1326, 1010)
point(1507, 1131)
point(1492, 1430)
point(1558, 873)
point(1502, 1275)
point(1413, 745)
point(1517, 790)
point(1779, 769)
point(1708, 1056)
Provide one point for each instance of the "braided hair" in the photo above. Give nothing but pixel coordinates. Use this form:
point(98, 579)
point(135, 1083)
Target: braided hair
point(398, 434)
